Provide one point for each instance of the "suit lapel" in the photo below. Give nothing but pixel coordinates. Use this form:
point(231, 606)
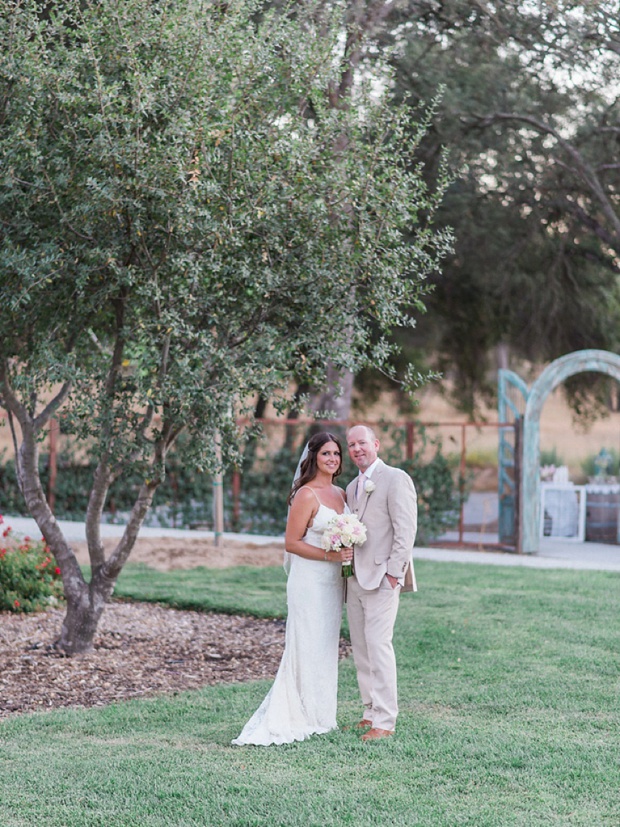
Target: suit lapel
point(351, 497)
point(363, 500)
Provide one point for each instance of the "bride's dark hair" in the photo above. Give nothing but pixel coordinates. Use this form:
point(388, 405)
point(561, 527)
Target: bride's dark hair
point(309, 465)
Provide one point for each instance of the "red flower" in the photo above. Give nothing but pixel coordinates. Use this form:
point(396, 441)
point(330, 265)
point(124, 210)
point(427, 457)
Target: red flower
point(56, 570)
point(16, 604)
point(6, 531)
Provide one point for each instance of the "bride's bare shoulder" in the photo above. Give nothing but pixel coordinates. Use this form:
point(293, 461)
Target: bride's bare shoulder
point(305, 494)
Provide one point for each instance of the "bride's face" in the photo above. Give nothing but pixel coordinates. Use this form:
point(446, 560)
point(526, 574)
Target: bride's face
point(328, 458)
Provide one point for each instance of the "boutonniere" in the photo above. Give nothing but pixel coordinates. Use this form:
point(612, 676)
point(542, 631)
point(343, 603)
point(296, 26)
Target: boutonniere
point(369, 486)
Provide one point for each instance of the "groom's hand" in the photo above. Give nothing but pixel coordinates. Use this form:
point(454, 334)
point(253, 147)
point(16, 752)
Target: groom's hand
point(393, 581)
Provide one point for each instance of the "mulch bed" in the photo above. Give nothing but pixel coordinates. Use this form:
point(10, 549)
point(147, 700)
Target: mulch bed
point(140, 650)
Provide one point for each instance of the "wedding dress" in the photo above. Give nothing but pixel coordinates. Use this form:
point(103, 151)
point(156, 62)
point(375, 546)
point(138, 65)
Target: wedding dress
point(303, 698)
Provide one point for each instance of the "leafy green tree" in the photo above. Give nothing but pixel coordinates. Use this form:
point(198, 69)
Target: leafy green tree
point(529, 111)
point(183, 230)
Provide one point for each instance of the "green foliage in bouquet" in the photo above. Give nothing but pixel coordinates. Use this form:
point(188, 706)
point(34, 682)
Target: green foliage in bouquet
point(29, 577)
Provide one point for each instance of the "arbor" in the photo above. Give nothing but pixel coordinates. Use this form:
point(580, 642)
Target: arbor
point(175, 238)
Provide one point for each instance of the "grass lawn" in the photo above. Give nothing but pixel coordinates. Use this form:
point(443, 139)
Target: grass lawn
point(510, 715)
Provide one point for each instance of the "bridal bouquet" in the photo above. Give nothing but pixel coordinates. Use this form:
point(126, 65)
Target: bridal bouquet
point(344, 531)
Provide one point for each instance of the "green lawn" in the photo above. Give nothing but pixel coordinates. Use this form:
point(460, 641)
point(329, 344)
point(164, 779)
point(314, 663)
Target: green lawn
point(510, 715)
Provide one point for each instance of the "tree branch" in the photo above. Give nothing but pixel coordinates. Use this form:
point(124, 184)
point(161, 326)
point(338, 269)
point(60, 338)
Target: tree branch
point(584, 169)
point(103, 477)
point(52, 406)
point(112, 568)
point(110, 571)
point(27, 466)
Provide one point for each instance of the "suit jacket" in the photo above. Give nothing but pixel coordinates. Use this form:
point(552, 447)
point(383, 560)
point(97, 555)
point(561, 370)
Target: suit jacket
point(390, 514)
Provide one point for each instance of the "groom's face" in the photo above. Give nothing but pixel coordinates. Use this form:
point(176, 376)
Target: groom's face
point(363, 447)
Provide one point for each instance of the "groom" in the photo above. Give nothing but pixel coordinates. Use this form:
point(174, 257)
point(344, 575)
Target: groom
point(384, 499)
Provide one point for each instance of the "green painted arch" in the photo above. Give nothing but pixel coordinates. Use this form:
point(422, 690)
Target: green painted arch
point(581, 361)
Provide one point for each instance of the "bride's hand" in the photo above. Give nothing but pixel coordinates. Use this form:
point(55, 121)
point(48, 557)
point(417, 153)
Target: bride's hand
point(345, 555)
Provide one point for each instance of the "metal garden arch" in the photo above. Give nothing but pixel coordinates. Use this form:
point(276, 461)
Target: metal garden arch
point(582, 361)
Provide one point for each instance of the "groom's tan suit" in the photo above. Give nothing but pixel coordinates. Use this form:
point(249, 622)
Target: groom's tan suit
point(388, 509)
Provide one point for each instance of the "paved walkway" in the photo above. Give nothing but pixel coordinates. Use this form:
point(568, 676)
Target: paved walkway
point(553, 554)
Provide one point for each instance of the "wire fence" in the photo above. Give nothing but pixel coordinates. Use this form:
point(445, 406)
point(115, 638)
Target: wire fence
point(254, 493)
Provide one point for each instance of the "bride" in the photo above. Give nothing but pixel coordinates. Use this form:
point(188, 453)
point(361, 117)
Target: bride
point(302, 700)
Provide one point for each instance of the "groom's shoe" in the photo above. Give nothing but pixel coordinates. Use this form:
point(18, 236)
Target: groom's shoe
point(375, 733)
point(363, 724)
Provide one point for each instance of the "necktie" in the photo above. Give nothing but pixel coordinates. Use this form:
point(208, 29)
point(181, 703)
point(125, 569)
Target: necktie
point(360, 486)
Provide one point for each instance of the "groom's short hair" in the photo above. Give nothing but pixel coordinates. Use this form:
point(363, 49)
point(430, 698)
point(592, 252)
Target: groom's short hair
point(370, 431)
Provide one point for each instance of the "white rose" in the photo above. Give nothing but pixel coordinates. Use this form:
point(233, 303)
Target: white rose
point(369, 486)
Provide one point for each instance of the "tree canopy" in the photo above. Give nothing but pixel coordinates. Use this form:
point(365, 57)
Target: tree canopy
point(529, 111)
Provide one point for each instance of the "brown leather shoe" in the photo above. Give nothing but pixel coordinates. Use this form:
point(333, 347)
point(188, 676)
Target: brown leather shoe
point(375, 733)
point(364, 724)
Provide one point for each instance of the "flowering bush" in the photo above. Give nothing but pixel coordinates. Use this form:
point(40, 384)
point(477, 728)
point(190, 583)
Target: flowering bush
point(29, 577)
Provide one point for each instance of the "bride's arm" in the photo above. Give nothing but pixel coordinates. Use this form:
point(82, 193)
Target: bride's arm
point(302, 512)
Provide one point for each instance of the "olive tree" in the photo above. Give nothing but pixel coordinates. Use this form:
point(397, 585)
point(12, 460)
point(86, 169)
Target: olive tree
point(186, 223)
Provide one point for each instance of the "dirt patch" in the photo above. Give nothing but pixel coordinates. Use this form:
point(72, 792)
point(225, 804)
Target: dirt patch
point(167, 553)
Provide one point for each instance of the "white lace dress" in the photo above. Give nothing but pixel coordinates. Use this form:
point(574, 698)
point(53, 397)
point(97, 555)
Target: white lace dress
point(303, 698)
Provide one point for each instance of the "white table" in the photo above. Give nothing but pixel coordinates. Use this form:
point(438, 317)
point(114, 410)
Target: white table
point(565, 507)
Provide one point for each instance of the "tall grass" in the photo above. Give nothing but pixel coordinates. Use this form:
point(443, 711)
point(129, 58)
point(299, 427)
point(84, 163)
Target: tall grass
point(510, 715)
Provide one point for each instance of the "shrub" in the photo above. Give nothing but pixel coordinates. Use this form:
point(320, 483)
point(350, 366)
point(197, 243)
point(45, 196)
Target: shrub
point(266, 485)
point(185, 498)
point(29, 577)
point(551, 457)
point(438, 496)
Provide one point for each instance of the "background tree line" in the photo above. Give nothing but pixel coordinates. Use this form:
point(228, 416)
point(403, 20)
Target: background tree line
point(528, 109)
point(531, 114)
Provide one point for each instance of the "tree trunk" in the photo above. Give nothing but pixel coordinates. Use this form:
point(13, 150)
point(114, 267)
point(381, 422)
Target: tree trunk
point(338, 396)
point(80, 622)
point(502, 356)
point(85, 601)
point(363, 20)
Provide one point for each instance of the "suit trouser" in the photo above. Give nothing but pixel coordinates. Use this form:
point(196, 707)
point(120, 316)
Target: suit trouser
point(372, 614)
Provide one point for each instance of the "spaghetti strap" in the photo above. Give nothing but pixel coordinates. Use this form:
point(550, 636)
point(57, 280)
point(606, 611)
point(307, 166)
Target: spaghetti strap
point(313, 491)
